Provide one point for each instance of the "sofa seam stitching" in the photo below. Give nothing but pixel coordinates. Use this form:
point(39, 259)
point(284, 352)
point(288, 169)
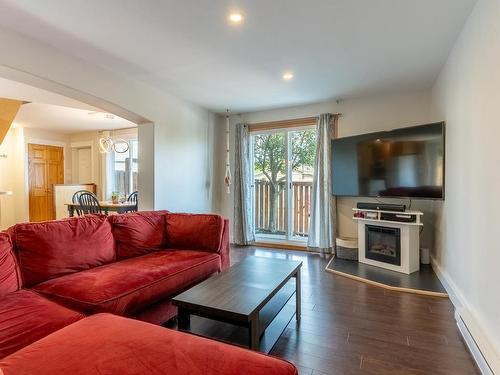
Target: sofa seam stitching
point(123, 294)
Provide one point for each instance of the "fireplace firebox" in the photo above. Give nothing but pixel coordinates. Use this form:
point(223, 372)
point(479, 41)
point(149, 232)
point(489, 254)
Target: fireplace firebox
point(383, 244)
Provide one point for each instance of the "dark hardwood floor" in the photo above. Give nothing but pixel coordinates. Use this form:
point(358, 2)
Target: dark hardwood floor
point(349, 327)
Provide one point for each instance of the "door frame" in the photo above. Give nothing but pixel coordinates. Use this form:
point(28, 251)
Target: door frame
point(75, 146)
point(288, 238)
point(43, 142)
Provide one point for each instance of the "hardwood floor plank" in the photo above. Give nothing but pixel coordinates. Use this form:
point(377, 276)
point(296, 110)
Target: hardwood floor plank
point(349, 327)
point(304, 370)
point(416, 358)
point(374, 366)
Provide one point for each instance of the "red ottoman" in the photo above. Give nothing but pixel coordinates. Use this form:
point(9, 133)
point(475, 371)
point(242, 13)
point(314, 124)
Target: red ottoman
point(106, 344)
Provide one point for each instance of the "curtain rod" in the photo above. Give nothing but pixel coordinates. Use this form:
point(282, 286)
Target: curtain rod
point(290, 123)
point(292, 120)
point(333, 114)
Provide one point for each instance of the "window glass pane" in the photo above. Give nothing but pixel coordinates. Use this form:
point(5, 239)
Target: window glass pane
point(283, 175)
point(270, 180)
point(303, 153)
point(135, 164)
point(122, 175)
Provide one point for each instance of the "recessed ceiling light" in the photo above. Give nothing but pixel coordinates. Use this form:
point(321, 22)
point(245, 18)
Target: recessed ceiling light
point(287, 76)
point(235, 17)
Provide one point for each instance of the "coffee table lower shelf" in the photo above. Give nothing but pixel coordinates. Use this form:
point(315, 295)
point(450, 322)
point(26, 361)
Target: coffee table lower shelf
point(274, 318)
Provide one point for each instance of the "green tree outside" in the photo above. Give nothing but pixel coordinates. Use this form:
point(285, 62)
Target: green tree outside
point(270, 160)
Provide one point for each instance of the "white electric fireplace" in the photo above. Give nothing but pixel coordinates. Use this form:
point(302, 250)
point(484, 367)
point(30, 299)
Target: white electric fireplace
point(389, 244)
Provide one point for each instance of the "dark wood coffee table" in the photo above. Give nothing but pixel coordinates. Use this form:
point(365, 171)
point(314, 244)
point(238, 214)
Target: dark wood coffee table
point(241, 296)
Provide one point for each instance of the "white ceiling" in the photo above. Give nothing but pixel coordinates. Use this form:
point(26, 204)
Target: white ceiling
point(67, 120)
point(336, 48)
point(50, 111)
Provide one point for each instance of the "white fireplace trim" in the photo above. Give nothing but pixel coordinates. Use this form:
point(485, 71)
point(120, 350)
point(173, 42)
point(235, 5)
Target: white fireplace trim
point(410, 245)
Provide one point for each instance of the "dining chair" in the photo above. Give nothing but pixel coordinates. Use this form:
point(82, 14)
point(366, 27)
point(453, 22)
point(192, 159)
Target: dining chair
point(75, 200)
point(134, 198)
point(89, 204)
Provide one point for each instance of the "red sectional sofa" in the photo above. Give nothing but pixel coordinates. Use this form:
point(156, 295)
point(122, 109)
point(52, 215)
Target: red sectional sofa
point(108, 344)
point(54, 274)
point(129, 265)
point(25, 316)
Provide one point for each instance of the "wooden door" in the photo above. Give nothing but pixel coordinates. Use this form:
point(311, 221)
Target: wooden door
point(46, 168)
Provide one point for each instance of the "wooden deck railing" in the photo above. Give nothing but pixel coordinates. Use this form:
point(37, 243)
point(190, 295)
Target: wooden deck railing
point(301, 206)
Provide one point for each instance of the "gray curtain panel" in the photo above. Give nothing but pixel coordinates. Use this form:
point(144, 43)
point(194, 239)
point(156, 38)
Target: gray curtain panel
point(323, 204)
point(243, 231)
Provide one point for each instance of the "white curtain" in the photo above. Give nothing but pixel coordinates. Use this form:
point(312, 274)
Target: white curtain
point(323, 204)
point(243, 208)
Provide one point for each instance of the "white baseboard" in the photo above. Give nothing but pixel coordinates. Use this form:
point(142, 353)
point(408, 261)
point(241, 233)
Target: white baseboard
point(484, 353)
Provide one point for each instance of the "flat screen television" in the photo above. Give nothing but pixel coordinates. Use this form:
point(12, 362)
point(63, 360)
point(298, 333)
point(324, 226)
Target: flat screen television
point(401, 163)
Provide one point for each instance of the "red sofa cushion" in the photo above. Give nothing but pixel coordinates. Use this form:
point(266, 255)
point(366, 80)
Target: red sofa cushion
point(138, 233)
point(26, 317)
point(130, 285)
point(107, 344)
point(194, 231)
point(9, 273)
point(55, 248)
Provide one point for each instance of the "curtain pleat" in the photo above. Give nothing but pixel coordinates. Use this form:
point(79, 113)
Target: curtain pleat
point(322, 229)
point(243, 231)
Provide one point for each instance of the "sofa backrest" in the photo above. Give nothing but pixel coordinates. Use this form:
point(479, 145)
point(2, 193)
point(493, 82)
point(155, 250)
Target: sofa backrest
point(194, 231)
point(138, 233)
point(10, 280)
point(52, 249)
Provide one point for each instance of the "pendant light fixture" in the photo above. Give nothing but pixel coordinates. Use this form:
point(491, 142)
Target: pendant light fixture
point(108, 145)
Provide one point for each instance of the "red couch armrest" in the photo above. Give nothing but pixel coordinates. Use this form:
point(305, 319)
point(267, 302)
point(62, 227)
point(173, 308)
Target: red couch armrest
point(225, 249)
point(205, 232)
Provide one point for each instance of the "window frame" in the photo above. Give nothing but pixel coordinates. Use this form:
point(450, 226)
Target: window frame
point(288, 238)
point(110, 165)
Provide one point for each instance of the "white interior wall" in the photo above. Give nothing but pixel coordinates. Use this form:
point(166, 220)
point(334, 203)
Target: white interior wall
point(361, 115)
point(146, 186)
point(181, 138)
point(467, 96)
point(182, 162)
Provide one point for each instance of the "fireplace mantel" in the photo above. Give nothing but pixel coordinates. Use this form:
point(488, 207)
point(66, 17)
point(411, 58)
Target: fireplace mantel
point(408, 237)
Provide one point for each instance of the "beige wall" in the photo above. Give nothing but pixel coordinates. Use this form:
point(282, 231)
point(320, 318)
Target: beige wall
point(361, 115)
point(467, 96)
point(14, 170)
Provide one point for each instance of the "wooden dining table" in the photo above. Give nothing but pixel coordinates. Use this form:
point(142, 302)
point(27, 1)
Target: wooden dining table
point(106, 206)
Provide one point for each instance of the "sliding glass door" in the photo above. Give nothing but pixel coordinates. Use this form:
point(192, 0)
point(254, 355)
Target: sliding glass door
point(283, 172)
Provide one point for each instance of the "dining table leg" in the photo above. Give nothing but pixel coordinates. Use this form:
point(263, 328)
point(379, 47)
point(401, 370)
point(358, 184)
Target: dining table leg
point(71, 211)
